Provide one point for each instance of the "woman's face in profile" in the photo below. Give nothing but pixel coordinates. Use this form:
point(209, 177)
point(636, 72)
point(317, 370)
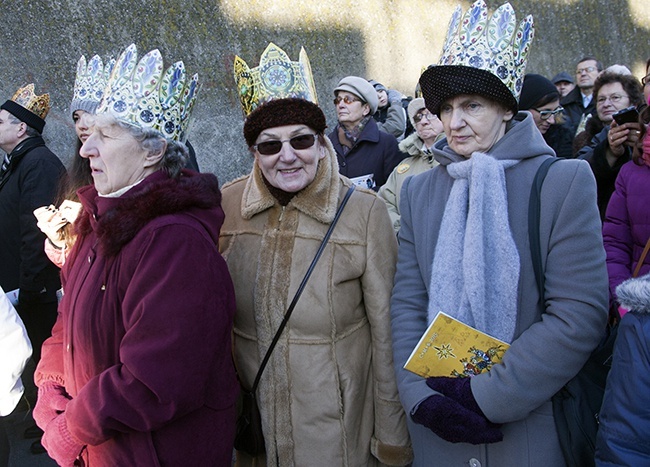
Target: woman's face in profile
point(116, 158)
point(544, 124)
point(83, 124)
point(288, 156)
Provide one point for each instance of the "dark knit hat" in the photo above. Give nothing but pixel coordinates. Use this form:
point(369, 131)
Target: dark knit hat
point(443, 82)
point(281, 112)
point(534, 89)
point(24, 115)
point(562, 76)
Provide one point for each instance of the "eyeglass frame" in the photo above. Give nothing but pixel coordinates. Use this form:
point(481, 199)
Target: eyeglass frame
point(613, 98)
point(587, 69)
point(282, 141)
point(645, 80)
point(421, 115)
point(546, 114)
point(338, 99)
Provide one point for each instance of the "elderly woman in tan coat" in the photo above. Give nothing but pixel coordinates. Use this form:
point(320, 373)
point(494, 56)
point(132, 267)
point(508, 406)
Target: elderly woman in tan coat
point(428, 130)
point(328, 395)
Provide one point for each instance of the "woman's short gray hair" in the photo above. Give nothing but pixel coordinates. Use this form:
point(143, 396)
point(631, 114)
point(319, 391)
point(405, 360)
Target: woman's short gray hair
point(176, 155)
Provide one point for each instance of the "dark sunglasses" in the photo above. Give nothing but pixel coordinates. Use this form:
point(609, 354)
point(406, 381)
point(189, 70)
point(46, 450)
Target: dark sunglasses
point(269, 148)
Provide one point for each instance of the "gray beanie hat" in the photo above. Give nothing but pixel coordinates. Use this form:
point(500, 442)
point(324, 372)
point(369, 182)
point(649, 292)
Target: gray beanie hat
point(87, 105)
point(415, 106)
point(360, 88)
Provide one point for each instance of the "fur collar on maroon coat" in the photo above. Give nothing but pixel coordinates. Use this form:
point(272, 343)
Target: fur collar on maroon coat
point(117, 220)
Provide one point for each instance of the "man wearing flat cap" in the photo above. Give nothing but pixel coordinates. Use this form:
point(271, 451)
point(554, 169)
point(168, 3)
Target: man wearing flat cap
point(564, 83)
point(29, 176)
point(365, 154)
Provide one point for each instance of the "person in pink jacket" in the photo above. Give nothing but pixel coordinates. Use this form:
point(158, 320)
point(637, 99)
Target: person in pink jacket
point(627, 221)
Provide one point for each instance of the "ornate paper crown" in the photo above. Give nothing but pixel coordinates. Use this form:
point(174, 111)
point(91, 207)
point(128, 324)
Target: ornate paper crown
point(498, 45)
point(276, 77)
point(89, 83)
point(140, 93)
point(38, 105)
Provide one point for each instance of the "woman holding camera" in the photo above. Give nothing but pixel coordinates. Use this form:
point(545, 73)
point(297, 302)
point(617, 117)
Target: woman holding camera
point(612, 141)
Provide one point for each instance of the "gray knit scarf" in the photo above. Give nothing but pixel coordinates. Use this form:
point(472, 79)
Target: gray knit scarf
point(475, 271)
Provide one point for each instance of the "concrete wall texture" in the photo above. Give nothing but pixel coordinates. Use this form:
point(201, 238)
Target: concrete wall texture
point(386, 40)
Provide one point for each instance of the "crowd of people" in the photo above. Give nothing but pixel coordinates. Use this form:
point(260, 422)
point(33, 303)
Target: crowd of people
point(152, 296)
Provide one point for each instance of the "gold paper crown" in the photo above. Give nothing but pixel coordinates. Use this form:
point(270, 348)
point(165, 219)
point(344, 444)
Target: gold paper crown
point(498, 45)
point(276, 77)
point(38, 105)
point(141, 94)
point(90, 82)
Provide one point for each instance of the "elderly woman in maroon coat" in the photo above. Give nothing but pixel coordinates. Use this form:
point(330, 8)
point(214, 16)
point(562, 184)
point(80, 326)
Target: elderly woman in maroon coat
point(138, 370)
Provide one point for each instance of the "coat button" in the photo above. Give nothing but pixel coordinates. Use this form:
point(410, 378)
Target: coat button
point(67, 347)
point(474, 463)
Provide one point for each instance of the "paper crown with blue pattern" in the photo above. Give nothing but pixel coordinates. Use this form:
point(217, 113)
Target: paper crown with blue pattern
point(89, 83)
point(144, 94)
point(477, 44)
point(276, 77)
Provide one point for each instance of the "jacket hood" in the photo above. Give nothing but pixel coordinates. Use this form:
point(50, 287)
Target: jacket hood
point(318, 200)
point(522, 140)
point(117, 220)
point(634, 294)
point(412, 145)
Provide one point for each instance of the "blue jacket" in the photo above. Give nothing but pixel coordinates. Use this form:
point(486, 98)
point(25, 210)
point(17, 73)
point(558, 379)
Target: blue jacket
point(624, 432)
point(374, 155)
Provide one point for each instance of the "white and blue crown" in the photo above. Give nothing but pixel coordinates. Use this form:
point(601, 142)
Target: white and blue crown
point(89, 83)
point(497, 45)
point(142, 93)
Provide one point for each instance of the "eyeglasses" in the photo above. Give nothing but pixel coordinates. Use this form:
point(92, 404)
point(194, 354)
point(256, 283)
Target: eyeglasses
point(588, 69)
point(269, 148)
point(421, 116)
point(645, 80)
point(347, 99)
point(614, 98)
point(546, 114)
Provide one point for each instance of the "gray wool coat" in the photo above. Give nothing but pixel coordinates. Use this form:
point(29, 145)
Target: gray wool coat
point(551, 342)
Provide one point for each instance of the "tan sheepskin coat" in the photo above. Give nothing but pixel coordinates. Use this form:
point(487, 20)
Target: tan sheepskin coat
point(328, 395)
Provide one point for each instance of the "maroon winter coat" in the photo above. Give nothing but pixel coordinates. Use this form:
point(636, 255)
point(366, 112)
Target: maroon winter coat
point(627, 224)
point(143, 342)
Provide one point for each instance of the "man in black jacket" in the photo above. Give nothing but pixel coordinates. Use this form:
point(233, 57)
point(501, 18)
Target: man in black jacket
point(29, 176)
point(579, 105)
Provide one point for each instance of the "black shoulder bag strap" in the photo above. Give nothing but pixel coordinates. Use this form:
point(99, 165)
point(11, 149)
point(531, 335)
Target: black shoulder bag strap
point(287, 315)
point(534, 210)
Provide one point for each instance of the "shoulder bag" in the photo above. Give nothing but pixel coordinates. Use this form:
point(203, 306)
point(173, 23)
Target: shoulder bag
point(576, 406)
point(249, 437)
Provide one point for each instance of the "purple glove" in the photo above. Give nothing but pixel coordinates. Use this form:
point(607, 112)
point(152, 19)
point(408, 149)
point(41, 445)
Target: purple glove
point(454, 423)
point(459, 389)
point(59, 442)
point(51, 401)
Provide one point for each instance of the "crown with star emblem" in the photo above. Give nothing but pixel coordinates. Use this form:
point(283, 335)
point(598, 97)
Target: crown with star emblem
point(497, 44)
point(89, 83)
point(276, 77)
point(144, 94)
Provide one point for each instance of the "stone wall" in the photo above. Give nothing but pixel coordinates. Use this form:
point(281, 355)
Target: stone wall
point(387, 40)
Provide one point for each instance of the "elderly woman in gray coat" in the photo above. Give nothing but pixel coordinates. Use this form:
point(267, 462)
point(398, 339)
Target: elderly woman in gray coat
point(468, 254)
